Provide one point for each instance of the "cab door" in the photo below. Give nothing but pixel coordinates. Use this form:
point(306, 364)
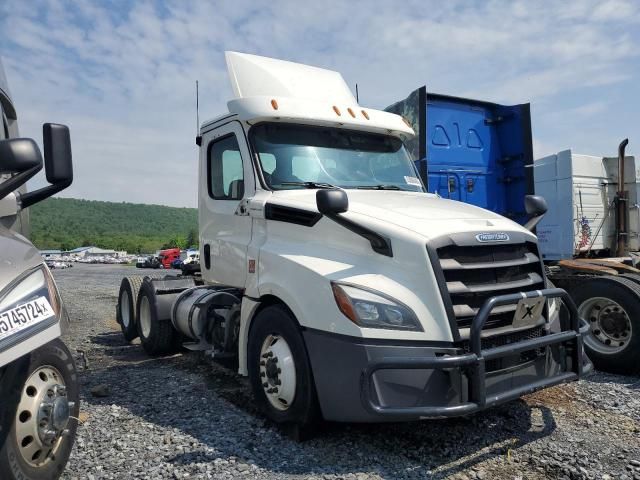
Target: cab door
point(226, 181)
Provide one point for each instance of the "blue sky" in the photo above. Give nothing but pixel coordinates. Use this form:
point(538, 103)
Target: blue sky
point(122, 73)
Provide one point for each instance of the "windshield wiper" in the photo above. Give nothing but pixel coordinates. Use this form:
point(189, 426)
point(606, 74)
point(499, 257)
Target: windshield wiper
point(379, 187)
point(309, 184)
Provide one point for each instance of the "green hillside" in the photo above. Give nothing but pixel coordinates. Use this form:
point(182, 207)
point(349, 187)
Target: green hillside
point(66, 223)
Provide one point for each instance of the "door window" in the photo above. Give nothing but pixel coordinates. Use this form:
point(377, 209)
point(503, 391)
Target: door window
point(226, 178)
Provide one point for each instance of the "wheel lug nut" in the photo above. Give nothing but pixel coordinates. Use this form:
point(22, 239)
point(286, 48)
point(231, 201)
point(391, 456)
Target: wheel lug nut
point(262, 364)
point(279, 370)
point(262, 374)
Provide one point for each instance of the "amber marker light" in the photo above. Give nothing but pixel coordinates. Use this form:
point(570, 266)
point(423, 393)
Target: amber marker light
point(274, 104)
point(365, 114)
point(337, 110)
point(351, 112)
point(344, 303)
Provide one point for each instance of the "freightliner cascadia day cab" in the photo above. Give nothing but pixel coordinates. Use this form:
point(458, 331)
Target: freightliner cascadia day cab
point(38, 385)
point(481, 153)
point(344, 290)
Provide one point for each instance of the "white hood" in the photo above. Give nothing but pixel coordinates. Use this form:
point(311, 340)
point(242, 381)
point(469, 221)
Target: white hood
point(426, 214)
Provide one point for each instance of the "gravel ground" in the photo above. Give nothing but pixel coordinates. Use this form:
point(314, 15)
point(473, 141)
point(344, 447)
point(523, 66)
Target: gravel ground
point(183, 417)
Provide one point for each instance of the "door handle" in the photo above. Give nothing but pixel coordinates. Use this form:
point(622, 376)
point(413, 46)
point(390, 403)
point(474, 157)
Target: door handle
point(451, 184)
point(207, 256)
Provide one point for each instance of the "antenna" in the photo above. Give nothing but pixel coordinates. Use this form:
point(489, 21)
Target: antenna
point(197, 109)
point(198, 137)
point(357, 99)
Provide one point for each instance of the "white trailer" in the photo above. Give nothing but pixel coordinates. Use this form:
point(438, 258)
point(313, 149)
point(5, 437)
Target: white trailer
point(344, 290)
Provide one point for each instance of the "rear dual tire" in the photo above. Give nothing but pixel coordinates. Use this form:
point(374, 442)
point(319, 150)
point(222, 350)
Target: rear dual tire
point(157, 336)
point(126, 308)
point(611, 306)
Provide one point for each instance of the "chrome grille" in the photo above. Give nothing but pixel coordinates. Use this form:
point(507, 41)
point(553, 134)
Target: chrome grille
point(473, 274)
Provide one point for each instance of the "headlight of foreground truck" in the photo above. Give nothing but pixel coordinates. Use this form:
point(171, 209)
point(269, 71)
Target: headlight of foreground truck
point(369, 309)
point(37, 284)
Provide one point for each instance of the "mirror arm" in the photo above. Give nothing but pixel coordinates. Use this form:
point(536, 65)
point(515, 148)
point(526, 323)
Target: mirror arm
point(379, 243)
point(29, 198)
point(17, 181)
point(531, 224)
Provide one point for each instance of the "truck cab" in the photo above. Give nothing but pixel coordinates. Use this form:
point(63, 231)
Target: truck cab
point(345, 290)
point(38, 384)
point(167, 256)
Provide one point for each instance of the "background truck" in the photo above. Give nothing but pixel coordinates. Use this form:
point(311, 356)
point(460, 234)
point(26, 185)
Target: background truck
point(341, 288)
point(38, 386)
point(167, 256)
point(481, 153)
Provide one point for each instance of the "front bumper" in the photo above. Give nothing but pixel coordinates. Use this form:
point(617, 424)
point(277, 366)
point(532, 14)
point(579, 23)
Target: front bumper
point(369, 381)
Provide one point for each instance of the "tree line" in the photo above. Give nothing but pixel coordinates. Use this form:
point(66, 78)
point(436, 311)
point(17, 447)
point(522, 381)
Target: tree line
point(67, 223)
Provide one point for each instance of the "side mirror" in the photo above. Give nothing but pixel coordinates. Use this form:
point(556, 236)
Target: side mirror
point(18, 155)
point(332, 201)
point(536, 206)
point(22, 157)
point(57, 154)
point(58, 163)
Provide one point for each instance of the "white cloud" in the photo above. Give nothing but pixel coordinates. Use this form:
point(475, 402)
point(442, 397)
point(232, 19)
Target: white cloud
point(122, 74)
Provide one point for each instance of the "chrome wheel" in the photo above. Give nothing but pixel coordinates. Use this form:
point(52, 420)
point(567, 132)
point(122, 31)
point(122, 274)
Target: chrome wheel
point(145, 316)
point(277, 372)
point(42, 416)
point(125, 309)
point(610, 330)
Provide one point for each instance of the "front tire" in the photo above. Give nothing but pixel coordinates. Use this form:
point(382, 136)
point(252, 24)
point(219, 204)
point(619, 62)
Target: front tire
point(156, 336)
point(611, 306)
point(279, 368)
point(42, 433)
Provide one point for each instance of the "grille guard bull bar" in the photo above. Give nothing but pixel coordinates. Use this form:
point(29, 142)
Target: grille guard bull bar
point(474, 363)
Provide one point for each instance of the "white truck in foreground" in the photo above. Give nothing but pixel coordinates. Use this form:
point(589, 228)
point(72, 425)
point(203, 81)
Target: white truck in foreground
point(344, 289)
point(39, 398)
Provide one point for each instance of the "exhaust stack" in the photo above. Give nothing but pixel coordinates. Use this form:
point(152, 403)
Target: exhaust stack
point(621, 199)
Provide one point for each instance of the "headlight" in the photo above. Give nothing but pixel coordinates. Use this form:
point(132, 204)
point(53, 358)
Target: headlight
point(369, 309)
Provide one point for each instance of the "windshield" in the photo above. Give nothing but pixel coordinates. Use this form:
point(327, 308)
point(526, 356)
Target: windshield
point(295, 156)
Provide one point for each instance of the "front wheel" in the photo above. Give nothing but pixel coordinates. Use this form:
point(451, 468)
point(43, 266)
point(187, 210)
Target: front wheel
point(39, 442)
point(279, 369)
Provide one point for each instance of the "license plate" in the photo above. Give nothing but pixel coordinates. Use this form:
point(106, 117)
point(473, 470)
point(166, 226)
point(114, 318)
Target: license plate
point(528, 312)
point(23, 316)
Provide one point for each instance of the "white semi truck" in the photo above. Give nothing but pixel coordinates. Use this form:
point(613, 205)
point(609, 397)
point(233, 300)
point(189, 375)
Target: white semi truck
point(344, 290)
point(39, 398)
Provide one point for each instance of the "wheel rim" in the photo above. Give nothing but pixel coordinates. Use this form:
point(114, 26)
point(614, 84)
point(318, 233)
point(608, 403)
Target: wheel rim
point(277, 372)
point(610, 330)
point(42, 417)
point(125, 309)
point(145, 316)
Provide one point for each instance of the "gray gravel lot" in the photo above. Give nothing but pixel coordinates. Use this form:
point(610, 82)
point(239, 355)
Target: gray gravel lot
point(184, 417)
